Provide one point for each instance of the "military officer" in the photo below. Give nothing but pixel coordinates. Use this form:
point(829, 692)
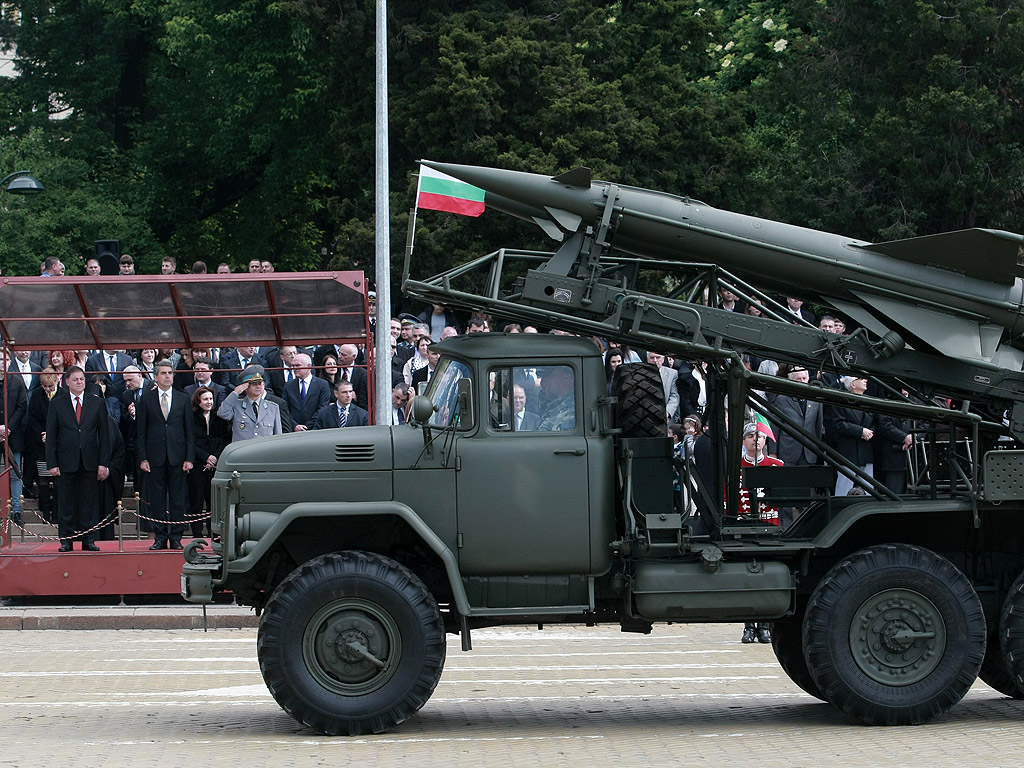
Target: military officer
point(247, 408)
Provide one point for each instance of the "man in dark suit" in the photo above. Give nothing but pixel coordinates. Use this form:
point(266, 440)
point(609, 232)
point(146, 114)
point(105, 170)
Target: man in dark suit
point(236, 360)
point(344, 413)
point(348, 371)
point(306, 394)
point(22, 363)
point(135, 384)
point(796, 307)
point(112, 362)
point(202, 368)
point(78, 455)
point(524, 420)
point(13, 419)
point(278, 365)
point(165, 448)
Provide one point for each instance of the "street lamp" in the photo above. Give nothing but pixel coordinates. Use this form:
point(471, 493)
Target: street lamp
point(22, 184)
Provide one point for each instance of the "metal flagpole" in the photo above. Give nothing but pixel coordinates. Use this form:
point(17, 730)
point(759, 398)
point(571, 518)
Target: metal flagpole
point(382, 240)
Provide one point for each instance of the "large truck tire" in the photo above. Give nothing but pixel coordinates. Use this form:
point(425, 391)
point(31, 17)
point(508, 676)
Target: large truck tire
point(1011, 635)
point(640, 410)
point(351, 643)
point(894, 635)
point(787, 642)
point(995, 670)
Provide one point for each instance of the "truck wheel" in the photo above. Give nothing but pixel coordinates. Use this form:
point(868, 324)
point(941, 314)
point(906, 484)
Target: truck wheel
point(787, 642)
point(995, 671)
point(640, 411)
point(894, 635)
point(1011, 636)
point(351, 643)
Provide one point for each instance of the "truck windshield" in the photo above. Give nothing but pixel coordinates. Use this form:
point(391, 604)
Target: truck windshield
point(444, 393)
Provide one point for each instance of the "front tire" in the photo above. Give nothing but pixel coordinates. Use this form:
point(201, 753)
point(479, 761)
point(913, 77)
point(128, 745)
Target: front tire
point(894, 635)
point(351, 643)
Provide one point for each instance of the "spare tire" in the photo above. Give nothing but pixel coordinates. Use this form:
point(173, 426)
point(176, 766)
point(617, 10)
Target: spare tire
point(640, 410)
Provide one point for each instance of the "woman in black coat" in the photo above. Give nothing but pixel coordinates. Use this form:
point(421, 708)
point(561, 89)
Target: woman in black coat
point(212, 434)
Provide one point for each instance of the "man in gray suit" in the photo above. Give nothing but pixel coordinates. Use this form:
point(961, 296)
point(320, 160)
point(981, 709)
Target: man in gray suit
point(668, 382)
point(247, 408)
point(807, 414)
point(524, 420)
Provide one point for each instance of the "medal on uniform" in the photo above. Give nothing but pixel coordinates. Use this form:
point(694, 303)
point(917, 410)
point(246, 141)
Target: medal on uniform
point(242, 425)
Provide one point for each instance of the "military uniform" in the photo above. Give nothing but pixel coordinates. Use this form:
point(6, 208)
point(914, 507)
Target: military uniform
point(245, 424)
point(560, 415)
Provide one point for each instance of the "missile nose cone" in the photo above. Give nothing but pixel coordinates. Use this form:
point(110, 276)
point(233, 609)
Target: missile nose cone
point(556, 203)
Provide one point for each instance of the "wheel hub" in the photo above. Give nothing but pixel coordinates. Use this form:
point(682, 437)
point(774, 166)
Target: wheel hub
point(349, 646)
point(897, 637)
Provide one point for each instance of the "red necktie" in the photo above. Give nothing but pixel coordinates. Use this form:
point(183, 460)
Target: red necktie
point(78, 410)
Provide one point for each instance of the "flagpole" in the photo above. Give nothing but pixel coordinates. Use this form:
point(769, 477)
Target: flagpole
point(409, 237)
point(382, 240)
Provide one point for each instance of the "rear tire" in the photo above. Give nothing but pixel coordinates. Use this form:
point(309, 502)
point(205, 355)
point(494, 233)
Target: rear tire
point(1011, 635)
point(787, 642)
point(995, 671)
point(351, 643)
point(894, 635)
point(640, 410)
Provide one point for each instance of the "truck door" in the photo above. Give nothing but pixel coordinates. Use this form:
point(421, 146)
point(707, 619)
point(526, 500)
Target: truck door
point(522, 486)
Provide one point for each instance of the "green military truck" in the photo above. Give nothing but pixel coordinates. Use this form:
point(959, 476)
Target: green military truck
point(363, 548)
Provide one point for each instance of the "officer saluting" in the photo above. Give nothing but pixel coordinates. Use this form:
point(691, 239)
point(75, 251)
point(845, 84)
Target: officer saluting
point(246, 407)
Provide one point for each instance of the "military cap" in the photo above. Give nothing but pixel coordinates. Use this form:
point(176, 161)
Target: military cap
point(251, 374)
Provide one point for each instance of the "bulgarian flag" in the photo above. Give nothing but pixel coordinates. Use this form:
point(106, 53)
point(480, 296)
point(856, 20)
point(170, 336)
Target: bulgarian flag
point(762, 426)
point(440, 192)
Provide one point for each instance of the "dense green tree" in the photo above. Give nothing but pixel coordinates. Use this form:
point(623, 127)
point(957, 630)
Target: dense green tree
point(215, 129)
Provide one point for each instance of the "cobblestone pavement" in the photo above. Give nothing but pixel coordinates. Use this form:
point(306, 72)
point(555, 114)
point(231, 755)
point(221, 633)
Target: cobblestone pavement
point(562, 696)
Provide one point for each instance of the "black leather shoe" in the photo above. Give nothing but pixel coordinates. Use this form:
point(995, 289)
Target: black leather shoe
point(65, 547)
point(764, 635)
point(176, 545)
point(748, 635)
point(159, 545)
point(16, 518)
point(89, 547)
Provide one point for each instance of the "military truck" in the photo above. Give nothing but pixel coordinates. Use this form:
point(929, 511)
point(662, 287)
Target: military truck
point(363, 548)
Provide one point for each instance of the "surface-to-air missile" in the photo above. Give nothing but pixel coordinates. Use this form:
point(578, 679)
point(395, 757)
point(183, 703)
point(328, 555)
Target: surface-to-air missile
point(959, 293)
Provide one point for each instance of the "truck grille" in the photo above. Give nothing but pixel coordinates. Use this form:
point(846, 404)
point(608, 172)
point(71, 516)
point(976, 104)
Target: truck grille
point(348, 453)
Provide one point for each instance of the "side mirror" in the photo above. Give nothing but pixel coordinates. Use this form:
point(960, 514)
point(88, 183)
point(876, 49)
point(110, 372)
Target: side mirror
point(465, 386)
point(422, 409)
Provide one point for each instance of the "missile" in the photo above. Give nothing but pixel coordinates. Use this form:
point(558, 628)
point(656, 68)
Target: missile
point(958, 293)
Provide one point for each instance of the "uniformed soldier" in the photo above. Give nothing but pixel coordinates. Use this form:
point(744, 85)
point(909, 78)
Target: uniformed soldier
point(558, 387)
point(246, 407)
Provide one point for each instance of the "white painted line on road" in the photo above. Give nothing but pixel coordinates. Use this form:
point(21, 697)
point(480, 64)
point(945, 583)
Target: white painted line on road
point(345, 742)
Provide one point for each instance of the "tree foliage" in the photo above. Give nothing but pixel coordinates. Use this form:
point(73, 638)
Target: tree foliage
point(222, 130)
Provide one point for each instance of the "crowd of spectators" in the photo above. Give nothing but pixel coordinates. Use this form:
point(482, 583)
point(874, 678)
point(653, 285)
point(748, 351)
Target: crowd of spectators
point(227, 394)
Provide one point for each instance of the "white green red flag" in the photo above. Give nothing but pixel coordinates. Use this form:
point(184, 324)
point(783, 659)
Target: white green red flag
point(440, 192)
point(762, 426)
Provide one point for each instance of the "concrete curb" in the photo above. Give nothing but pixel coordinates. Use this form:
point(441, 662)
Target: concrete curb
point(126, 617)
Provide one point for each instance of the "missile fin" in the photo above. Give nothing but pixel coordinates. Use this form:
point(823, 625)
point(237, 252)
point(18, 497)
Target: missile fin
point(956, 336)
point(570, 222)
point(577, 177)
point(550, 228)
point(987, 254)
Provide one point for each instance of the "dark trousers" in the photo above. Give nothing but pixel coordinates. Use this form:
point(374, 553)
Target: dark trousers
point(199, 487)
point(167, 493)
point(76, 510)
